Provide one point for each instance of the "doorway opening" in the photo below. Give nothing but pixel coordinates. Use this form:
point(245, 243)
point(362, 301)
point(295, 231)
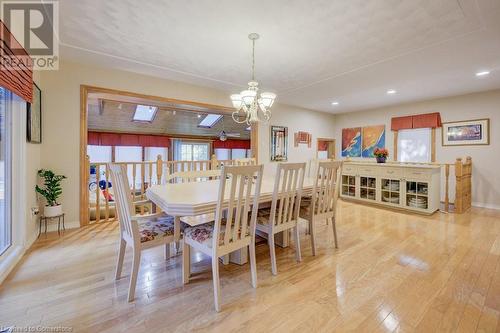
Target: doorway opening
point(325, 149)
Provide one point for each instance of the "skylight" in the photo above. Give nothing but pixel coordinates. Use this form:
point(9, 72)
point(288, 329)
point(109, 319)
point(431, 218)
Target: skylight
point(145, 113)
point(210, 120)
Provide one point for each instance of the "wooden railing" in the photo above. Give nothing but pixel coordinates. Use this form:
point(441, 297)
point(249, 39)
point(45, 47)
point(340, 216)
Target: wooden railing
point(141, 176)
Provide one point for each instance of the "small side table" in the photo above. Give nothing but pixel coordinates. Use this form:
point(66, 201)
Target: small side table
point(46, 219)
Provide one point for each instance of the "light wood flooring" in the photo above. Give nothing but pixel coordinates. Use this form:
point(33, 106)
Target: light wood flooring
point(392, 272)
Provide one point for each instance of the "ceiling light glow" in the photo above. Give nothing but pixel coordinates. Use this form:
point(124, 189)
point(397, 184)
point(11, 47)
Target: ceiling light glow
point(391, 92)
point(482, 73)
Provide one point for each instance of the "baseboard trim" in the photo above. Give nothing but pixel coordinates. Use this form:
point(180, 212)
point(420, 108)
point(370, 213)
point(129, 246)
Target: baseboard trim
point(485, 205)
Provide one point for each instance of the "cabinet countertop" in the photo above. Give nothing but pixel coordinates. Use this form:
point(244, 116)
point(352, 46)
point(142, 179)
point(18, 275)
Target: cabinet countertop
point(394, 165)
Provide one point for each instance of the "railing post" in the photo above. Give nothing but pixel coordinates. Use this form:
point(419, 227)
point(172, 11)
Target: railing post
point(159, 169)
point(459, 186)
point(85, 200)
point(214, 162)
point(446, 189)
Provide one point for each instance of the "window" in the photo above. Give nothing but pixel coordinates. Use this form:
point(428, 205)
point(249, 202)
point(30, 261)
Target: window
point(414, 145)
point(222, 153)
point(5, 169)
point(238, 153)
point(210, 120)
point(145, 113)
point(191, 151)
point(99, 154)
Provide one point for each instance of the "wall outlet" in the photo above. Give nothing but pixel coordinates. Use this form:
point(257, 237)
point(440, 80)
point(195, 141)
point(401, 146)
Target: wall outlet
point(35, 211)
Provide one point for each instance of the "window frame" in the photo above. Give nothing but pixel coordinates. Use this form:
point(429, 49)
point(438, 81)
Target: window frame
point(432, 143)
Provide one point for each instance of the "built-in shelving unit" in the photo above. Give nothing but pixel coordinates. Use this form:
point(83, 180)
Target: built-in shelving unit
point(404, 186)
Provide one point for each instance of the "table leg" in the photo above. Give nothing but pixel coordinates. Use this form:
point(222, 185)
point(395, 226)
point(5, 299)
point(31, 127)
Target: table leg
point(63, 217)
point(177, 233)
point(59, 226)
point(45, 226)
point(240, 256)
point(39, 227)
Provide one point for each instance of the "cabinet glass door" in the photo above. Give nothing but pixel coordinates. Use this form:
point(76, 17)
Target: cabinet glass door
point(349, 185)
point(367, 186)
point(391, 191)
point(417, 194)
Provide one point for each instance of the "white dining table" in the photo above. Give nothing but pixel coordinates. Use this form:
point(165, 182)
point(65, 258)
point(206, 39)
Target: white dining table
point(197, 198)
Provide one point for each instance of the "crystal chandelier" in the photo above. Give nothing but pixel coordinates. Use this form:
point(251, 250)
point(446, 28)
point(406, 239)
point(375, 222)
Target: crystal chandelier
point(248, 103)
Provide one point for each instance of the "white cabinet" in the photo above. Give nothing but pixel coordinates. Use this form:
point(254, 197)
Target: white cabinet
point(403, 186)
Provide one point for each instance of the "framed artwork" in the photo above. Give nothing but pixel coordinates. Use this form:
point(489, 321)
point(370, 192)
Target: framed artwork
point(351, 142)
point(303, 137)
point(34, 122)
point(279, 144)
point(372, 137)
point(467, 132)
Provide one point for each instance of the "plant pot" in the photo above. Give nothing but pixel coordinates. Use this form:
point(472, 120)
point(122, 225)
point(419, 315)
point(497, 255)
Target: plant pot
point(52, 211)
point(381, 159)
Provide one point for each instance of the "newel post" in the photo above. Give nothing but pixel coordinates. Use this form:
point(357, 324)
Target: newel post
point(159, 169)
point(214, 162)
point(459, 186)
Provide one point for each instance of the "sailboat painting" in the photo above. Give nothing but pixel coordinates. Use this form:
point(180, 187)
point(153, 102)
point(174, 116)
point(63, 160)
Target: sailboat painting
point(351, 142)
point(373, 138)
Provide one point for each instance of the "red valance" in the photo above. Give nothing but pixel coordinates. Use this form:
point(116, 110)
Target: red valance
point(125, 139)
point(16, 66)
point(232, 144)
point(427, 120)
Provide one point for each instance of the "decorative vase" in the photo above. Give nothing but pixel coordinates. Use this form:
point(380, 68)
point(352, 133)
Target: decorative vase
point(381, 159)
point(52, 211)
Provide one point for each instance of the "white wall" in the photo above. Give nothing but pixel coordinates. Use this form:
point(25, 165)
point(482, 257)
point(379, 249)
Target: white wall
point(486, 159)
point(61, 118)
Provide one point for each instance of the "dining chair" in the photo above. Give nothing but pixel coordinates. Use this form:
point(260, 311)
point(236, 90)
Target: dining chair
point(192, 176)
point(141, 232)
point(245, 161)
point(234, 226)
point(283, 214)
point(324, 199)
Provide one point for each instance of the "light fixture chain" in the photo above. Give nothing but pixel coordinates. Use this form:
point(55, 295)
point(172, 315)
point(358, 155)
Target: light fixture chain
point(253, 59)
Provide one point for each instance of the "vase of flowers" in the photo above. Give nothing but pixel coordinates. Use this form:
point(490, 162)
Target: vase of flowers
point(51, 191)
point(381, 154)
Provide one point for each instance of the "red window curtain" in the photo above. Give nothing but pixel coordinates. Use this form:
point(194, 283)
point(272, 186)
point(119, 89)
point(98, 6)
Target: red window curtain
point(124, 139)
point(427, 120)
point(232, 144)
point(16, 67)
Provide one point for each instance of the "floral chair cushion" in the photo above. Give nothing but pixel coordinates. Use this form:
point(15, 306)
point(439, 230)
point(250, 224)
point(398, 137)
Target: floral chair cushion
point(162, 226)
point(203, 233)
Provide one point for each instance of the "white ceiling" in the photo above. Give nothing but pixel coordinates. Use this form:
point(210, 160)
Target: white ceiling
point(310, 52)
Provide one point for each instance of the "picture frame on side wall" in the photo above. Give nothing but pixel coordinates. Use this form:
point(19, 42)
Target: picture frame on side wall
point(34, 117)
point(466, 133)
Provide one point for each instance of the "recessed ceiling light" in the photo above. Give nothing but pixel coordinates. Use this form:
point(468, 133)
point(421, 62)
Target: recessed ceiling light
point(482, 73)
point(335, 103)
point(199, 115)
point(391, 92)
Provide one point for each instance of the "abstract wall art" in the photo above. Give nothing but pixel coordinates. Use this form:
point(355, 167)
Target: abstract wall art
point(351, 142)
point(373, 137)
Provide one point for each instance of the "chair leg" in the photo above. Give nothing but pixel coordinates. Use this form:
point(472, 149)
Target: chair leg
point(186, 262)
point(313, 236)
point(121, 255)
point(253, 264)
point(167, 251)
point(327, 221)
point(297, 244)
point(133, 278)
point(334, 225)
point(215, 276)
point(272, 250)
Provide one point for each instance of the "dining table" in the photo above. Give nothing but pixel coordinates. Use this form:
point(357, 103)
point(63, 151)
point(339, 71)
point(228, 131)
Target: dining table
point(192, 199)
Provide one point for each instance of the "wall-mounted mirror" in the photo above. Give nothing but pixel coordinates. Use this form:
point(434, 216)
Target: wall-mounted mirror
point(279, 144)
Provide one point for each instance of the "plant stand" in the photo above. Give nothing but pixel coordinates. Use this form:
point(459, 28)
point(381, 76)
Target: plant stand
point(46, 219)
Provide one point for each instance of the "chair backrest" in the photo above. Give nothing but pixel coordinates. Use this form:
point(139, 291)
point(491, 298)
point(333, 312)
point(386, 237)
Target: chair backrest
point(245, 161)
point(326, 188)
point(193, 176)
point(287, 193)
point(239, 189)
point(123, 199)
point(312, 166)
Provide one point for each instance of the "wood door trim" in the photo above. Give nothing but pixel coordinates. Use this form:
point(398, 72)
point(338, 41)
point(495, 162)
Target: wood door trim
point(86, 89)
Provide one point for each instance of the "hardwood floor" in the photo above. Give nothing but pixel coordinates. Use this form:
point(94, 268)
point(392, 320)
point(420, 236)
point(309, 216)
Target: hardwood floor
point(392, 272)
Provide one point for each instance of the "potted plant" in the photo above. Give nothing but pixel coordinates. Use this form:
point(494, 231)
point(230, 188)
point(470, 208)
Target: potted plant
point(51, 191)
point(381, 154)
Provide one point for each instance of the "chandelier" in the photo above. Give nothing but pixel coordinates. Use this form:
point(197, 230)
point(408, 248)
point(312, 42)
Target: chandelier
point(249, 104)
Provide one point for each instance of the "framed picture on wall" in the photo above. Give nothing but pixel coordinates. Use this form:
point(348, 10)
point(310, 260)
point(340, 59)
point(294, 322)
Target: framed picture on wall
point(467, 132)
point(34, 119)
point(279, 144)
